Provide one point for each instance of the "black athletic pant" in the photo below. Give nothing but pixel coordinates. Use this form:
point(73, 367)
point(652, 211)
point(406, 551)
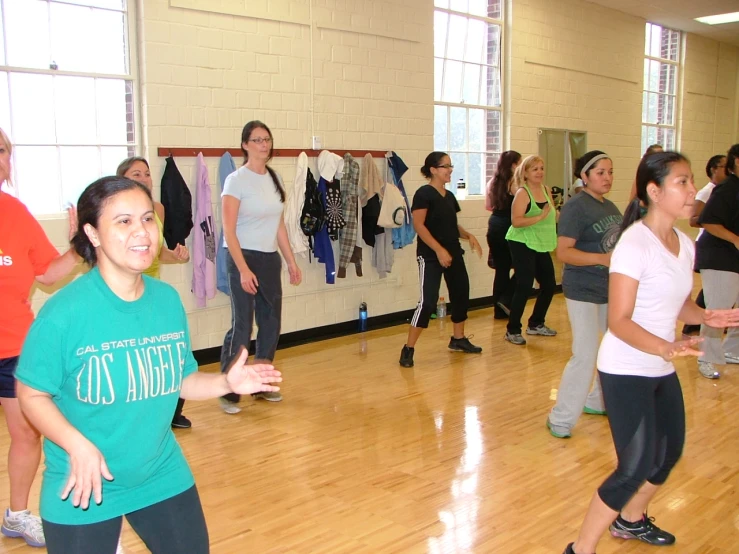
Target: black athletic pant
point(500, 254)
point(457, 282)
point(530, 265)
point(178, 410)
point(647, 419)
point(172, 526)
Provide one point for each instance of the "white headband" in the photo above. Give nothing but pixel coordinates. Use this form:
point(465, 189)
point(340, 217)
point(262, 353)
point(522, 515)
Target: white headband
point(592, 162)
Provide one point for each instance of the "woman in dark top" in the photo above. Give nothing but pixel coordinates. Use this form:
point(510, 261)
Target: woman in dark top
point(439, 253)
point(500, 198)
point(717, 259)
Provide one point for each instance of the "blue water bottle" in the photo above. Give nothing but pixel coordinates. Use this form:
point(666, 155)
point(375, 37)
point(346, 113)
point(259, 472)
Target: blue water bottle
point(362, 317)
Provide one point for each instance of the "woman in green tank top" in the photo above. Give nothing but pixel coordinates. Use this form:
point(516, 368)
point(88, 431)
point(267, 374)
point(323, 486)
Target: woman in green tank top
point(531, 238)
point(137, 168)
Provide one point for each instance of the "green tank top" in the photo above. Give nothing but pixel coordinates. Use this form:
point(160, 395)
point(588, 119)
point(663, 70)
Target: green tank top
point(153, 270)
point(541, 236)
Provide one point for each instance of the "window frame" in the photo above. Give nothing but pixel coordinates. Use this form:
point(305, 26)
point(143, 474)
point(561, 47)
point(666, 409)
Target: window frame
point(129, 10)
point(501, 109)
point(677, 96)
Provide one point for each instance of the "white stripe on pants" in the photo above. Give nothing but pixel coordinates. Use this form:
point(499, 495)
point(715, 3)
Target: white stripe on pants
point(721, 291)
point(588, 322)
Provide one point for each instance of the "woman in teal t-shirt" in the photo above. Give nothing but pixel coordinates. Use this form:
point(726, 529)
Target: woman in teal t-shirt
point(100, 374)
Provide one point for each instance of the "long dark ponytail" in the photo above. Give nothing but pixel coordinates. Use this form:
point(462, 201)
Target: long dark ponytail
point(652, 169)
point(498, 190)
point(245, 136)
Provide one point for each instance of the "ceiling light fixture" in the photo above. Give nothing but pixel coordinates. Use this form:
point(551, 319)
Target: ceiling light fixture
point(719, 19)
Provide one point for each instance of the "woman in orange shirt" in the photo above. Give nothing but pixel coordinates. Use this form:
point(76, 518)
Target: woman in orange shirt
point(26, 255)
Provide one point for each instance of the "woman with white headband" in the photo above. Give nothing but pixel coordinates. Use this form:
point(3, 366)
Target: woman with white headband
point(587, 233)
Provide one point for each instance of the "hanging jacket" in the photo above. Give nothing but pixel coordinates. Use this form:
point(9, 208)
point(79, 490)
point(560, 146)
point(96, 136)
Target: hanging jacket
point(225, 167)
point(406, 234)
point(177, 202)
point(204, 241)
point(294, 207)
point(329, 164)
point(370, 193)
point(348, 250)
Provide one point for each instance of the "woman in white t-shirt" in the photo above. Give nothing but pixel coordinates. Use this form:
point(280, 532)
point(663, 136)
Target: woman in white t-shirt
point(253, 227)
point(651, 276)
point(716, 172)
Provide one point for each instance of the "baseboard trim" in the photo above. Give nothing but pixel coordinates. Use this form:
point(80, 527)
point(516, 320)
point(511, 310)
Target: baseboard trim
point(335, 330)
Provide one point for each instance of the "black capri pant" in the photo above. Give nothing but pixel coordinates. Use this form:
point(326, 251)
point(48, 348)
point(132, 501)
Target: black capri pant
point(457, 281)
point(647, 419)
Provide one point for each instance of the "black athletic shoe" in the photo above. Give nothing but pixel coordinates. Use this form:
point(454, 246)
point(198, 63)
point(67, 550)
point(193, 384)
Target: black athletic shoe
point(463, 345)
point(569, 550)
point(406, 356)
point(644, 530)
point(181, 422)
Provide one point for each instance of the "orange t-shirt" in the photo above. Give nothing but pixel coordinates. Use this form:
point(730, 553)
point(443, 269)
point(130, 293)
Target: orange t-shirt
point(25, 252)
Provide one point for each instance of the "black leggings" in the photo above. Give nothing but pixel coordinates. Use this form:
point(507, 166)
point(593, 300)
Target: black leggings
point(647, 419)
point(500, 254)
point(530, 265)
point(172, 526)
point(457, 282)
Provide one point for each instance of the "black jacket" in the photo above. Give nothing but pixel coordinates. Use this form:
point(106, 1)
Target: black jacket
point(177, 202)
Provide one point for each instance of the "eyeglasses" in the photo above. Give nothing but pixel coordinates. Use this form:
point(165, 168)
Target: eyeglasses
point(260, 140)
point(720, 166)
point(445, 166)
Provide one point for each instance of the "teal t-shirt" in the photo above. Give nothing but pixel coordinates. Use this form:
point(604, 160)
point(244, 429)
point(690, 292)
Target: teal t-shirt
point(114, 369)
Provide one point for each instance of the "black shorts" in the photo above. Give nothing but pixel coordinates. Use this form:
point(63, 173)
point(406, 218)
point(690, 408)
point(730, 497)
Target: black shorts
point(7, 377)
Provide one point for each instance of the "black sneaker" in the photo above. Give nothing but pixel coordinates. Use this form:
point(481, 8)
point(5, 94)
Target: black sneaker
point(644, 530)
point(406, 356)
point(463, 345)
point(181, 422)
point(569, 549)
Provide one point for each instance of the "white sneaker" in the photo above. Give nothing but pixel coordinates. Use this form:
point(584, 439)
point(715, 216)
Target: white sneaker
point(24, 525)
point(731, 359)
point(708, 370)
point(119, 549)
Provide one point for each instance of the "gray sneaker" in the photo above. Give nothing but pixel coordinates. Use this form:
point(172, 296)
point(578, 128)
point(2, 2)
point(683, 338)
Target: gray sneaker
point(229, 407)
point(515, 338)
point(25, 526)
point(731, 359)
point(268, 396)
point(542, 330)
point(708, 370)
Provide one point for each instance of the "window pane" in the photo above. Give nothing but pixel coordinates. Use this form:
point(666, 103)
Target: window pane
point(5, 105)
point(471, 84)
point(80, 166)
point(670, 45)
point(490, 87)
point(458, 122)
point(110, 4)
point(655, 41)
point(2, 41)
point(33, 108)
point(668, 78)
point(654, 76)
point(459, 161)
point(441, 128)
point(74, 98)
point(493, 131)
point(452, 81)
point(110, 96)
point(27, 27)
point(491, 164)
point(495, 9)
point(441, 3)
point(438, 75)
point(71, 49)
point(645, 107)
point(37, 178)
point(457, 37)
point(459, 5)
point(111, 156)
point(493, 44)
point(476, 34)
point(666, 109)
point(652, 108)
point(475, 183)
point(441, 21)
point(477, 131)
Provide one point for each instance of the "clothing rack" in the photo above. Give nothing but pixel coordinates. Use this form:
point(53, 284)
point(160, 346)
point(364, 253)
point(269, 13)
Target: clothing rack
point(164, 152)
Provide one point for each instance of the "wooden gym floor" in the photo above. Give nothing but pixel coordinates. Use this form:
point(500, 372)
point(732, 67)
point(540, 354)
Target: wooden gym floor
point(451, 456)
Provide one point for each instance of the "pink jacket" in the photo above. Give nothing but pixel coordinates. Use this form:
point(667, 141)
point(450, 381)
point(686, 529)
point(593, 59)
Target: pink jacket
point(204, 241)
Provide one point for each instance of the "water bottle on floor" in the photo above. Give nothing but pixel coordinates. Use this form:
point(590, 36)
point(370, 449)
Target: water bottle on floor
point(441, 308)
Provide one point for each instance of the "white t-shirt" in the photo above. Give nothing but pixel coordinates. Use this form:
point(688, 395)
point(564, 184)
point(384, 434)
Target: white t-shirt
point(665, 281)
point(260, 211)
point(703, 195)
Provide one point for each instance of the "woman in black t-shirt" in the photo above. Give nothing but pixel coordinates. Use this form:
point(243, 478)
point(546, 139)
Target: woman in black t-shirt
point(439, 253)
point(500, 198)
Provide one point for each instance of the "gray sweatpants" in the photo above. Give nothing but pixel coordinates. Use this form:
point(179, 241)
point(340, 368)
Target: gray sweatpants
point(580, 386)
point(721, 291)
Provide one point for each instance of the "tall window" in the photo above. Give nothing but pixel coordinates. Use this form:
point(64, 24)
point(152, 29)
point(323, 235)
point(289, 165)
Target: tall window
point(66, 95)
point(661, 67)
point(467, 87)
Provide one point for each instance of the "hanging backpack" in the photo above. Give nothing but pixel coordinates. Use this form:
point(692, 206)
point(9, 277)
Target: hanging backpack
point(313, 216)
